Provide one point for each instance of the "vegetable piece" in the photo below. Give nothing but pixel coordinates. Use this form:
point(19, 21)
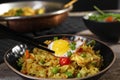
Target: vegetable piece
point(72, 45)
point(100, 11)
point(64, 61)
point(79, 75)
point(109, 19)
point(20, 62)
point(19, 12)
point(27, 54)
point(91, 43)
point(94, 63)
point(83, 55)
point(41, 62)
point(104, 16)
point(55, 70)
point(69, 53)
point(80, 50)
point(69, 74)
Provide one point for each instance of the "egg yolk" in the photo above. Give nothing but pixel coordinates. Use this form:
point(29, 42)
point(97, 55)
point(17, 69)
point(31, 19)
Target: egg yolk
point(60, 47)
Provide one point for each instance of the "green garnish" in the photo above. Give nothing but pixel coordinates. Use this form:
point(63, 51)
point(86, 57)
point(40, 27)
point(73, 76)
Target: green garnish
point(69, 53)
point(83, 55)
point(102, 16)
point(19, 12)
point(100, 11)
point(42, 61)
point(20, 62)
point(94, 63)
point(91, 43)
point(72, 45)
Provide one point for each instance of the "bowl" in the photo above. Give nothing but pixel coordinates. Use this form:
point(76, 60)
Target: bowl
point(55, 14)
point(12, 55)
point(107, 31)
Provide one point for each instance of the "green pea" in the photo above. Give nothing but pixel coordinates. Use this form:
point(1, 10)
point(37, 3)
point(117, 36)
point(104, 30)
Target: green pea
point(79, 75)
point(69, 74)
point(55, 70)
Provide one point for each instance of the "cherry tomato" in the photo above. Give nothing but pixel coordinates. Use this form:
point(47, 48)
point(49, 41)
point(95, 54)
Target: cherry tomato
point(64, 61)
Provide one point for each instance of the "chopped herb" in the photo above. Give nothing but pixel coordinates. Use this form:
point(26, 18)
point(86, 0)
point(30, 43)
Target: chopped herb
point(69, 53)
point(19, 12)
point(83, 55)
point(94, 63)
point(91, 43)
point(20, 62)
point(100, 11)
point(42, 61)
point(72, 45)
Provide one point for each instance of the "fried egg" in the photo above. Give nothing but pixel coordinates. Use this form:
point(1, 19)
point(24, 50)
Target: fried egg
point(62, 46)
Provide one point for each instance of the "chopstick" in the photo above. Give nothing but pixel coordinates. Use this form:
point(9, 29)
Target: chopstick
point(70, 3)
point(22, 38)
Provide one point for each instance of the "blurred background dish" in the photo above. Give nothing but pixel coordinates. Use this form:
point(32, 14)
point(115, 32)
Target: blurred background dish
point(106, 26)
point(55, 14)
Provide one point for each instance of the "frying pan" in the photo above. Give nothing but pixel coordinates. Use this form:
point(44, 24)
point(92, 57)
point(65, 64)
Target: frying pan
point(55, 14)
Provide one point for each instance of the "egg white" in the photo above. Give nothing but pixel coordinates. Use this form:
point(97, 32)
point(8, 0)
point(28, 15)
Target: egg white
point(77, 41)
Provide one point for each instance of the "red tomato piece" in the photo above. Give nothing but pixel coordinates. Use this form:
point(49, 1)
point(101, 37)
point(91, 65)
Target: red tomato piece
point(64, 61)
point(109, 19)
point(80, 50)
